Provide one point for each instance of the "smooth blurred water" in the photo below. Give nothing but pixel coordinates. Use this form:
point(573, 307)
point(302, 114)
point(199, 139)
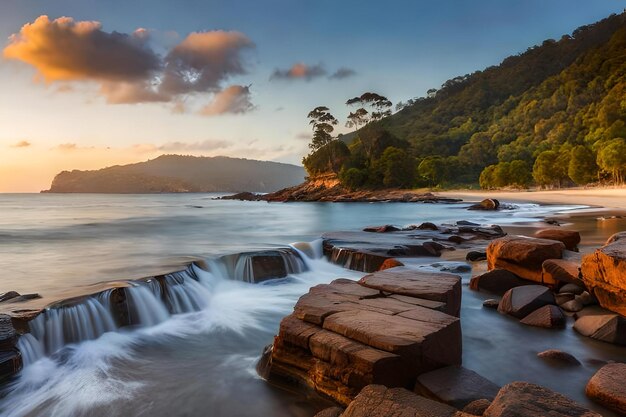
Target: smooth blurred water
point(202, 363)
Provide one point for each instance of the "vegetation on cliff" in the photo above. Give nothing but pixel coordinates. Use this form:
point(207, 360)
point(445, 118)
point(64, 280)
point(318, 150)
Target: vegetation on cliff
point(552, 116)
point(177, 173)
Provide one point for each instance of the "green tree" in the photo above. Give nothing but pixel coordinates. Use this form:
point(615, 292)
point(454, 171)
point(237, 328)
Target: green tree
point(398, 168)
point(353, 178)
point(380, 106)
point(329, 158)
point(612, 159)
point(357, 118)
point(545, 169)
point(323, 123)
point(582, 167)
point(519, 174)
point(433, 169)
point(486, 180)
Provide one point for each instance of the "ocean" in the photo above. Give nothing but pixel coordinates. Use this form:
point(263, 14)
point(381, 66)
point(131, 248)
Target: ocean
point(201, 362)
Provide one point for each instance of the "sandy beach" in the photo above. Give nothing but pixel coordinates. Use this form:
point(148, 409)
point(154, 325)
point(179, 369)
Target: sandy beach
point(610, 198)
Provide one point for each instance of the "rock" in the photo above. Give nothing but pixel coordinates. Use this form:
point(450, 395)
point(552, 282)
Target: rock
point(382, 229)
point(572, 289)
point(522, 399)
point(442, 287)
point(559, 356)
point(330, 412)
point(455, 386)
point(428, 226)
point(466, 223)
point(563, 298)
point(497, 281)
point(586, 299)
point(572, 306)
point(570, 238)
point(390, 263)
point(476, 256)
point(433, 248)
point(491, 303)
point(245, 196)
point(603, 272)
point(523, 256)
point(456, 269)
point(561, 270)
point(601, 325)
point(10, 363)
point(521, 301)
point(486, 204)
point(380, 401)
point(607, 387)
point(8, 295)
point(477, 407)
point(425, 339)
point(548, 316)
point(8, 336)
point(616, 237)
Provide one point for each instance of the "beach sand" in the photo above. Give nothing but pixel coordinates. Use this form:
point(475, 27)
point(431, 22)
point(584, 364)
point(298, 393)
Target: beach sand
point(608, 198)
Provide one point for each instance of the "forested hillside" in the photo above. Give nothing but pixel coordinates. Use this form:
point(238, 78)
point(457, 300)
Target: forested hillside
point(554, 115)
point(178, 173)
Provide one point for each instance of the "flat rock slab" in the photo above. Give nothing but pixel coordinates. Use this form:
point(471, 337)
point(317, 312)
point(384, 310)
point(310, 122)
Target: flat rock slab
point(380, 401)
point(455, 386)
point(548, 316)
point(521, 301)
point(522, 399)
point(424, 338)
point(607, 387)
point(570, 238)
point(434, 286)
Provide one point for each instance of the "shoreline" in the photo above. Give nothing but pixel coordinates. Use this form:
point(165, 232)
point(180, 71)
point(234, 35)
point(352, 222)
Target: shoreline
point(598, 198)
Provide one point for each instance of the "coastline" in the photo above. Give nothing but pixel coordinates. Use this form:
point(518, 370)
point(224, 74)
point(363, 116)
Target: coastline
point(602, 198)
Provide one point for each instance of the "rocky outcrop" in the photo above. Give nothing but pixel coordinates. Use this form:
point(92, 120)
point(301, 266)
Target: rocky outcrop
point(487, 204)
point(455, 386)
point(343, 336)
point(521, 301)
point(570, 238)
point(365, 251)
point(548, 316)
point(10, 357)
point(607, 387)
point(524, 256)
point(604, 274)
point(497, 281)
point(522, 399)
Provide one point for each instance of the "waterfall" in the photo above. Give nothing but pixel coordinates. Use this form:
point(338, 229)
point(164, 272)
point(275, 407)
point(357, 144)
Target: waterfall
point(57, 326)
point(30, 348)
point(183, 293)
point(263, 265)
point(144, 307)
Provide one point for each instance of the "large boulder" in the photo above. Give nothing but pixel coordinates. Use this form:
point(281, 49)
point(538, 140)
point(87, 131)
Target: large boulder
point(521, 301)
point(607, 387)
point(380, 401)
point(455, 386)
point(604, 274)
point(497, 281)
point(601, 324)
point(523, 256)
point(487, 204)
point(570, 238)
point(522, 399)
point(548, 316)
point(561, 270)
point(435, 286)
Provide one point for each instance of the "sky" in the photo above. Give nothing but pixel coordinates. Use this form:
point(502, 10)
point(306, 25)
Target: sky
point(86, 84)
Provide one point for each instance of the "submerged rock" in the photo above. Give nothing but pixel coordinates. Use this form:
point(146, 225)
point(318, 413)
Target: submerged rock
point(455, 386)
point(497, 281)
point(522, 399)
point(476, 256)
point(603, 272)
point(521, 301)
point(491, 303)
point(607, 387)
point(487, 204)
point(559, 356)
point(382, 229)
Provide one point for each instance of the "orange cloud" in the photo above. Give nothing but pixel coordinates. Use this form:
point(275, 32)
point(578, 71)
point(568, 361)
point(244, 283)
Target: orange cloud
point(234, 99)
point(125, 67)
point(21, 144)
point(299, 71)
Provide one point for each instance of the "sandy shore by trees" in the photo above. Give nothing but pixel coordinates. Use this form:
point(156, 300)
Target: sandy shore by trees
point(612, 198)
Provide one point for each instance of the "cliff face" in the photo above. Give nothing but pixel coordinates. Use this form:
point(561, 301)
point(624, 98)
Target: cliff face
point(175, 173)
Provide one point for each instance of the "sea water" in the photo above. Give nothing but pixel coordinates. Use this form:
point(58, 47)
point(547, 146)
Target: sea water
point(197, 358)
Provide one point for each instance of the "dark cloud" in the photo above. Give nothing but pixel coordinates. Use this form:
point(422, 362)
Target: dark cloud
point(299, 71)
point(124, 65)
point(21, 144)
point(234, 99)
point(342, 73)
